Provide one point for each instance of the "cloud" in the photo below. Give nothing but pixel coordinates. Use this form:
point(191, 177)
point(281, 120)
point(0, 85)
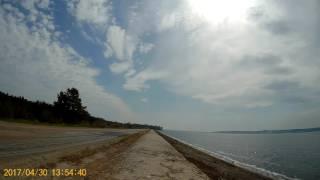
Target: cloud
point(268, 63)
point(35, 64)
point(122, 44)
point(32, 5)
point(288, 17)
point(127, 45)
point(168, 21)
point(230, 63)
point(283, 85)
point(138, 81)
point(145, 47)
point(145, 17)
point(265, 60)
point(121, 67)
point(292, 92)
point(97, 12)
point(278, 27)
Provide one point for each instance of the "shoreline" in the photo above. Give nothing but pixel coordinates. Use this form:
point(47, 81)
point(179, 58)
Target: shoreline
point(216, 166)
point(141, 154)
point(126, 149)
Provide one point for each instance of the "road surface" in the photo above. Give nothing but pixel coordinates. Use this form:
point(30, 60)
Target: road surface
point(151, 157)
point(22, 140)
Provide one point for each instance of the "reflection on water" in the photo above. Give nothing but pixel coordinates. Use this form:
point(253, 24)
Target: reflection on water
point(292, 154)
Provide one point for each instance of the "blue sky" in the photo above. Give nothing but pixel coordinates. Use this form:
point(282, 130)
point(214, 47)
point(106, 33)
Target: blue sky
point(186, 64)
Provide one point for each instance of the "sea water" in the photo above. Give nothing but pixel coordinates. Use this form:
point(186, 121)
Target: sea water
point(295, 155)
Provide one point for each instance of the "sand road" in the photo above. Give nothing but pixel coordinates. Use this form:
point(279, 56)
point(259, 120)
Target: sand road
point(21, 140)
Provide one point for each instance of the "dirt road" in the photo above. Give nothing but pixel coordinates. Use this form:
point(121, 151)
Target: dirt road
point(21, 140)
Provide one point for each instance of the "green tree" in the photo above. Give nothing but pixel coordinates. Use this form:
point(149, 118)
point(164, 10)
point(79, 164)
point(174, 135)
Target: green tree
point(69, 102)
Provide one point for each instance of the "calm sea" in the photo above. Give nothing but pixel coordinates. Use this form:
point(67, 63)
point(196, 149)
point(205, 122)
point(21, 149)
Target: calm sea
point(296, 155)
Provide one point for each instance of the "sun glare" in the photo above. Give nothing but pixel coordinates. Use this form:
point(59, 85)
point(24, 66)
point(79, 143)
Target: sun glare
point(216, 11)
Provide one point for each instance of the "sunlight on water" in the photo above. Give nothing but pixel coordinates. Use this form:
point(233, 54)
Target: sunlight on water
point(294, 155)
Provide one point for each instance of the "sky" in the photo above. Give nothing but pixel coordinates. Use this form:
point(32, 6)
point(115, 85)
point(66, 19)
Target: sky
point(201, 65)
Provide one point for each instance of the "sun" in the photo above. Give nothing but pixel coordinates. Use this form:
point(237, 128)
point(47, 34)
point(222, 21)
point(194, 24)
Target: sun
point(216, 11)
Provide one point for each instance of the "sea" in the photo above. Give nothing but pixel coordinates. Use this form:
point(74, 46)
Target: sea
point(281, 156)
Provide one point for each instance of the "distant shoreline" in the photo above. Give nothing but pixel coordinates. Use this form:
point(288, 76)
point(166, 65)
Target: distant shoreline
point(281, 131)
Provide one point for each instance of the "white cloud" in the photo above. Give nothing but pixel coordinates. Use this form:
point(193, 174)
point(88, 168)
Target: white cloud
point(120, 67)
point(122, 44)
point(202, 60)
point(168, 21)
point(145, 47)
point(97, 12)
point(36, 65)
point(32, 5)
point(138, 81)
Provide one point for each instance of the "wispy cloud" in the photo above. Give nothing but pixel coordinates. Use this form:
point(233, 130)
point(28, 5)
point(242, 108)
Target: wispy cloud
point(94, 12)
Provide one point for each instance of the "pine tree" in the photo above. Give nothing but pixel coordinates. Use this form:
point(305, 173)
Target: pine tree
point(69, 103)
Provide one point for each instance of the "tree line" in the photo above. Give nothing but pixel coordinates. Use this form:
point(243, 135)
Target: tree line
point(67, 109)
